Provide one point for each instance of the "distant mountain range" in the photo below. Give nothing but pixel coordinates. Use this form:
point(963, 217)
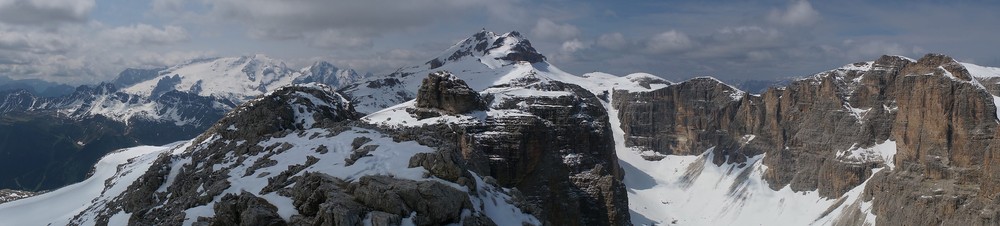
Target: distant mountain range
point(141, 106)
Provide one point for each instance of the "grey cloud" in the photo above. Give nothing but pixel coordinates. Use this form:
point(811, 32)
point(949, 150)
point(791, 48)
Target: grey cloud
point(145, 34)
point(22, 40)
point(44, 12)
point(337, 38)
point(324, 21)
point(168, 6)
point(670, 41)
point(614, 41)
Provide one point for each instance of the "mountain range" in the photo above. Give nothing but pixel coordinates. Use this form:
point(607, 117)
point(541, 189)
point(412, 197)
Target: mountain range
point(490, 133)
point(49, 142)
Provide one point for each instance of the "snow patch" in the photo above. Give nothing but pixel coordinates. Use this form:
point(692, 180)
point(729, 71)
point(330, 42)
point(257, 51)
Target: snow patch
point(884, 153)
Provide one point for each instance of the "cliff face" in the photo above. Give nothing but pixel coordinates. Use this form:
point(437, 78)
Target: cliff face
point(814, 134)
point(558, 150)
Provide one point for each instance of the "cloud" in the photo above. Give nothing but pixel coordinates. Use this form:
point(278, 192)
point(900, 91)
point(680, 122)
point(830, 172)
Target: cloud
point(35, 42)
point(572, 46)
point(338, 39)
point(319, 21)
point(85, 53)
point(150, 58)
point(613, 41)
point(167, 6)
point(144, 34)
point(669, 41)
point(546, 29)
point(44, 12)
point(851, 49)
point(799, 13)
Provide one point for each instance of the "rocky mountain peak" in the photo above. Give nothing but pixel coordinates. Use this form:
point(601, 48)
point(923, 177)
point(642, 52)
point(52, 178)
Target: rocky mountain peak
point(892, 62)
point(445, 92)
point(287, 108)
point(491, 49)
point(326, 73)
point(940, 64)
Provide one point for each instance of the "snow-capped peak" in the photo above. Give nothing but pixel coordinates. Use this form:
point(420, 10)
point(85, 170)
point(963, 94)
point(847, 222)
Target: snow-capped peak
point(326, 73)
point(490, 49)
point(239, 79)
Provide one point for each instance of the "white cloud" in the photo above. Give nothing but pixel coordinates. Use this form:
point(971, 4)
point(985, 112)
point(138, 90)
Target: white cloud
point(38, 12)
point(547, 29)
point(669, 41)
point(572, 46)
point(145, 34)
point(613, 41)
point(799, 13)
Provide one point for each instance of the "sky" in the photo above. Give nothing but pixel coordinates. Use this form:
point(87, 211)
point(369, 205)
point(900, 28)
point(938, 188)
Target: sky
point(87, 41)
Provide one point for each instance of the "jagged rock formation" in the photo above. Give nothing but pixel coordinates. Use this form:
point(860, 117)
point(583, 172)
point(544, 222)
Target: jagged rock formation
point(940, 117)
point(560, 155)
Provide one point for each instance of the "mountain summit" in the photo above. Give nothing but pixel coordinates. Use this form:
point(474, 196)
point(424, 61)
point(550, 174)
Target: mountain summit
point(481, 60)
point(491, 49)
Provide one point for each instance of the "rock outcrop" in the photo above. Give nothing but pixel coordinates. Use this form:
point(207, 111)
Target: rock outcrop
point(555, 147)
point(442, 92)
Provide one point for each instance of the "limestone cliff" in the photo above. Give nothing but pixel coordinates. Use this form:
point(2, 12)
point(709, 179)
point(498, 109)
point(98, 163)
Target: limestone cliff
point(942, 119)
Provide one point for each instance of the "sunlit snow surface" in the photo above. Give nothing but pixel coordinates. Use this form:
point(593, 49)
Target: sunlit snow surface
point(59, 206)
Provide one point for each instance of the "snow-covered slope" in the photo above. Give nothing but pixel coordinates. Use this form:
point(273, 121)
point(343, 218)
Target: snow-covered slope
point(112, 175)
point(238, 79)
point(195, 93)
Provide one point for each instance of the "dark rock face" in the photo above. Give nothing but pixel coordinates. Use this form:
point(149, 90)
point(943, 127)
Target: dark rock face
point(444, 92)
point(943, 123)
point(324, 200)
point(560, 155)
point(243, 209)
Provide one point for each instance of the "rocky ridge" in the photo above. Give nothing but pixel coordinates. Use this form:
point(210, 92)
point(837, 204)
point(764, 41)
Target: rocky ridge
point(284, 159)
